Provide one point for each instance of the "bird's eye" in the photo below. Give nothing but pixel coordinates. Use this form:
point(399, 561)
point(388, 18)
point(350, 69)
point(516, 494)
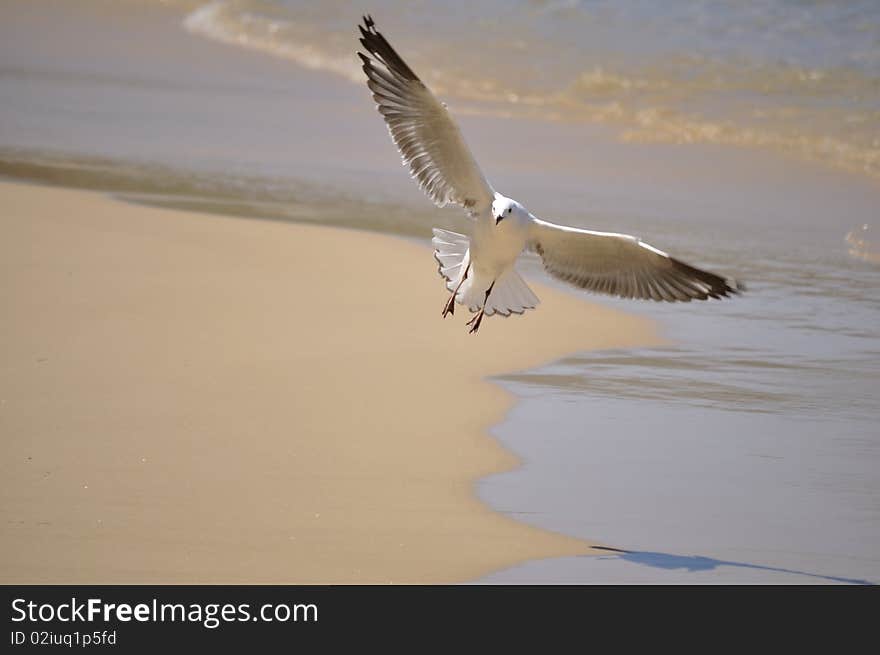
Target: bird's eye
point(509, 209)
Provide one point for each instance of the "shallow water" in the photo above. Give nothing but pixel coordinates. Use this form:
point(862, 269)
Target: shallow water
point(748, 448)
point(802, 77)
point(747, 451)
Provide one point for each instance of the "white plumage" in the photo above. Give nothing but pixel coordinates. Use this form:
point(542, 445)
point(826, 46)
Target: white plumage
point(429, 141)
point(511, 295)
point(479, 270)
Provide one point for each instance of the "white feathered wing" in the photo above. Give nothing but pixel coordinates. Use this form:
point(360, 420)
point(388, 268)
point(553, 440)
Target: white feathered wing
point(429, 141)
point(622, 265)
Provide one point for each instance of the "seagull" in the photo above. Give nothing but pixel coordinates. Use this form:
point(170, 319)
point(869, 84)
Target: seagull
point(479, 270)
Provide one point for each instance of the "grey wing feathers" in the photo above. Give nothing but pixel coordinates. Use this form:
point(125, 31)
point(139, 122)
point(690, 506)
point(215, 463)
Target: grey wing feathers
point(622, 265)
point(430, 143)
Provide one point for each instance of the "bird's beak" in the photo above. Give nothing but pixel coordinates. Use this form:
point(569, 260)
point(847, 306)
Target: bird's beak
point(498, 219)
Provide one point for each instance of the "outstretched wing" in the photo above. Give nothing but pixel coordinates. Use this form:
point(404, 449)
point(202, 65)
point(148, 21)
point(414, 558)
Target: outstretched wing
point(429, 141)
point(622, 265)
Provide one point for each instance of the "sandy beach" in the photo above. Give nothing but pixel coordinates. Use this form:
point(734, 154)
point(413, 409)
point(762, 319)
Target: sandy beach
point(188, 398)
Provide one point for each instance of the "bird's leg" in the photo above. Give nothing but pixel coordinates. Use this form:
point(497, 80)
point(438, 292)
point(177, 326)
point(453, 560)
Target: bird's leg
point(449, 308)
point(476, 320)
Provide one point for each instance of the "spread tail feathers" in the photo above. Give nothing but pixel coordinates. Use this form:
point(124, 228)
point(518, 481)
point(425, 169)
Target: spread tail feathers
point(450, 251)
point(510, 295)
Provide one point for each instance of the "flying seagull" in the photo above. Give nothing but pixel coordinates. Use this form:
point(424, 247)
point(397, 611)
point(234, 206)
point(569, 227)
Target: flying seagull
point(479, 270)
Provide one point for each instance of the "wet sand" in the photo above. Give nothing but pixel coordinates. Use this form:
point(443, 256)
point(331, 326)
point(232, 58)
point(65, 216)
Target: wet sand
point(190, 398)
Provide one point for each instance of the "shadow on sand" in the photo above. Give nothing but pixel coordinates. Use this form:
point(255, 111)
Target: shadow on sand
point(698, 563)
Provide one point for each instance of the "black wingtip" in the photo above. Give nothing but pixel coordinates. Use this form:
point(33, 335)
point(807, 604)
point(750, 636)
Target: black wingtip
point(732, 287)
point(367, 29)
point(369, 26)
point(718, 287)
point(376, 44)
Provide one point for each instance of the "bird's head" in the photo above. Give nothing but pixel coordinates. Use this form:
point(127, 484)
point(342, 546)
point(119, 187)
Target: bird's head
point(506, 208)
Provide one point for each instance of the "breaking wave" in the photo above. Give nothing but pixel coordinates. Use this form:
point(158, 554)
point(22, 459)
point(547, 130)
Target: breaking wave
point(830, 115)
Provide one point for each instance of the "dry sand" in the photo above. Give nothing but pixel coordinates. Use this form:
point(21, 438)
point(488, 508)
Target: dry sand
point(197, 399)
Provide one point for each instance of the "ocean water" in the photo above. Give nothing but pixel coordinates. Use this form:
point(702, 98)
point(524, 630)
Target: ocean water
point(742, 137)
point(800, 76)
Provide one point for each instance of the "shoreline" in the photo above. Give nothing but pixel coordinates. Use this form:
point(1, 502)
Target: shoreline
point(173, 397)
